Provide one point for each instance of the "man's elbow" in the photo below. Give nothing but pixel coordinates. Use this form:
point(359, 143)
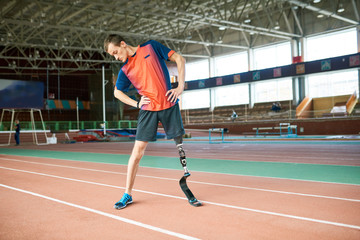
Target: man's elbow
point(117, 94)
point(182, 59)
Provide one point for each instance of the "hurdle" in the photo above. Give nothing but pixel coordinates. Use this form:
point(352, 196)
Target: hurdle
point(291, 130)
point(216, 130)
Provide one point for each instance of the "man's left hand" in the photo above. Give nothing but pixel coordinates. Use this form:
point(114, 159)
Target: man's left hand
point(173, 94)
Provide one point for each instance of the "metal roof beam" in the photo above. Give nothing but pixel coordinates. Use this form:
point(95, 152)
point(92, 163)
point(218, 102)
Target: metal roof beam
point(321, 11)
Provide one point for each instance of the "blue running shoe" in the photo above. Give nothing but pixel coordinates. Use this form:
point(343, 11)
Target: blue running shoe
point(124, 201)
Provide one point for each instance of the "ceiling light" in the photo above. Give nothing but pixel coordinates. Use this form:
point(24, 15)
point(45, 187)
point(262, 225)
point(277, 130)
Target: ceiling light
point(320, 16)
point(341, 8)
point(277, 26)
point(248, 20)
point(316, 1)
point(222, 28)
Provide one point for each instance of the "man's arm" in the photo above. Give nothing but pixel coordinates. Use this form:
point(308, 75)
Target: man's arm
point(129, 101)
point(173, 94)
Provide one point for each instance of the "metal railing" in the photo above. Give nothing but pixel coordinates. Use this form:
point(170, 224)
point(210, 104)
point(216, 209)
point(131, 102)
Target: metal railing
point(264, 116)
point(72, 125)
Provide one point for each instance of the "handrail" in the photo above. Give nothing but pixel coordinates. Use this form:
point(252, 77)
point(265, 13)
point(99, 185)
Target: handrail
point(302, 106)
point(72, 125)
point(350, 104)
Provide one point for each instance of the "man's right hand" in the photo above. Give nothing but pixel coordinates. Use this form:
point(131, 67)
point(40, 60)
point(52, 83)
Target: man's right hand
point(144, 101)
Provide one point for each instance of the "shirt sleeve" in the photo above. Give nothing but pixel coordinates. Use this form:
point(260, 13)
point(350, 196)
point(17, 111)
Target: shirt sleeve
point(161, 50)
point(122, 83)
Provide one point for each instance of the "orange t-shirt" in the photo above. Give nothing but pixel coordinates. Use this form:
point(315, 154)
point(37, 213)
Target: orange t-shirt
point(147, 71)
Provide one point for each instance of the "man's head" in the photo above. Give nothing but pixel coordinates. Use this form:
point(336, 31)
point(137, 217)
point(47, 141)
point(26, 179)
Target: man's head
point(115, 45)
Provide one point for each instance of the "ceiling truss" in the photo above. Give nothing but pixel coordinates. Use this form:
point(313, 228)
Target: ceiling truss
point(67, 36)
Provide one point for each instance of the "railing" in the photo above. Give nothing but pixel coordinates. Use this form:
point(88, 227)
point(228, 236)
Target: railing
point(72, 125)
point(268, 116)
point(350, 104)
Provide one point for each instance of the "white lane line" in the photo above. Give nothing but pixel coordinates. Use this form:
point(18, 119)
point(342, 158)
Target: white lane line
point(126, 220)
point(190, 181)
point(212, 203)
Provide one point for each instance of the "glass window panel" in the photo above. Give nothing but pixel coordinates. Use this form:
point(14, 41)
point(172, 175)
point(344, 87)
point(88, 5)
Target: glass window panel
point(331, 45)
point(195, 99)
point(333, 83)
point(272, 56)
point(197, 70)
point(276, 90)
point(232, 95)
point(230, 64)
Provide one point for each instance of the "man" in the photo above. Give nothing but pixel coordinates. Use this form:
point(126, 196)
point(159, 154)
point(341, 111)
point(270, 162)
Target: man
point(17, 132)
point(145, 68)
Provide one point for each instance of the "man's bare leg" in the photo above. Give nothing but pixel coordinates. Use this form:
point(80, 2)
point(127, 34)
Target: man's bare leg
point(133, 165)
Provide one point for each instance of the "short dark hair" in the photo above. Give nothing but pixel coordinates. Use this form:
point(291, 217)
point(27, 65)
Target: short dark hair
point(114, 39)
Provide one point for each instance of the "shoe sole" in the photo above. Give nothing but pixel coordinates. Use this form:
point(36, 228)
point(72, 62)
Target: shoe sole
point(116, 207)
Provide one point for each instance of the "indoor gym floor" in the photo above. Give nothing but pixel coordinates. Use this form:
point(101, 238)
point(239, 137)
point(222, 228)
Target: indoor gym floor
point(250, 190)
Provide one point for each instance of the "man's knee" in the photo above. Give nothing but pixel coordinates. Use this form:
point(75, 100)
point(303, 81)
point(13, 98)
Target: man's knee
point(139, 149)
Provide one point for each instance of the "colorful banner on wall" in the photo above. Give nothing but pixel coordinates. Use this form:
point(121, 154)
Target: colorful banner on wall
point(67, 104)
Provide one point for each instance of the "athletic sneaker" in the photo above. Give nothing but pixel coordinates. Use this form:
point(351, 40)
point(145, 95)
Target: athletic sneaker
point(124, 201)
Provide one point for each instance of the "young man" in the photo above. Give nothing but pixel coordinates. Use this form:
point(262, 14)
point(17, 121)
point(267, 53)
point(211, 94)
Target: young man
point(145, 68)
point(17, 132)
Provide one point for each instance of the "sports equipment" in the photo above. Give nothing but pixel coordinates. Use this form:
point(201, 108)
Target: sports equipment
point(190, 196)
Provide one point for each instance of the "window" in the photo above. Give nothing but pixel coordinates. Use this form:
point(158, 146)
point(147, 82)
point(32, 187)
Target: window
point(196, 99)
point(230, 64)
point(333, 84)
point(197, 70)
point(277, 90)
point(272, 56)
point(231, 95)
point(331, 45)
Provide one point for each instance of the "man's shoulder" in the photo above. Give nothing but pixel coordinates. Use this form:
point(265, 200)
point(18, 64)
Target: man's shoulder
point(151, 42)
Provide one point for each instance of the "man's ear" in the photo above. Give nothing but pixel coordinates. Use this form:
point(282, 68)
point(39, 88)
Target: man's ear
point(123, 44)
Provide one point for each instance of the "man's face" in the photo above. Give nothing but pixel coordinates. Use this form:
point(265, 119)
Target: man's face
point(118, 52)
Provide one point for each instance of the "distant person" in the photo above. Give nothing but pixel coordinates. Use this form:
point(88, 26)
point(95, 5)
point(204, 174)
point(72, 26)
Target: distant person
point(233, 115)
point(17, 132)
point(276, 107)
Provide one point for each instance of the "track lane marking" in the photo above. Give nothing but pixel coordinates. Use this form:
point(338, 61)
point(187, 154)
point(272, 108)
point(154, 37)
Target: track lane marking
point(197, 182)
point(190, 181)
point(208, 202)
point(126, 220)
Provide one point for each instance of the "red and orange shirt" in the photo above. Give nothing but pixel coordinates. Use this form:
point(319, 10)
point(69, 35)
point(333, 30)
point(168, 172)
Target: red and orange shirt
point(147, 71)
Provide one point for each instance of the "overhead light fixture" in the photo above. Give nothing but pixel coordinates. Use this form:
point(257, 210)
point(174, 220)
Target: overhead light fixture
point(277, 26)
point(341, 8)
point(320, 16)
point(222, 28)
point(316, 1)
point(247, 19)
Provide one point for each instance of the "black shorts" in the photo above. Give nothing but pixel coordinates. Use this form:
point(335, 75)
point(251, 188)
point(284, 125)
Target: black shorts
point(148, 123)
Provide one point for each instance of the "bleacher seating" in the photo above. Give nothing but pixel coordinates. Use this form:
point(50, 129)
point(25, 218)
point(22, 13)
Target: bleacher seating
point(223, 114)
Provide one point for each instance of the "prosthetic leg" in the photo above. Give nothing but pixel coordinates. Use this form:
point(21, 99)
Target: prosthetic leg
point(183, 185)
